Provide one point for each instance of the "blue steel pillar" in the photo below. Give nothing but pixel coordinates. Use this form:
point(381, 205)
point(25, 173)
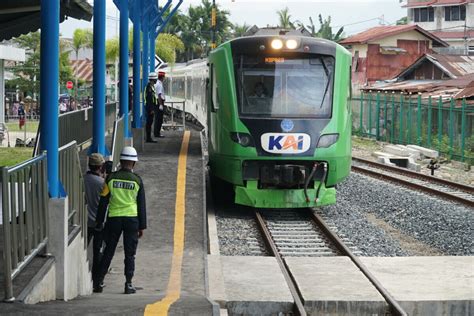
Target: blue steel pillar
point(49, 88)
point(137, 122)
point(152, 50)
point(145, 61)
point(124, 64)
point(98, 128)
point(146, 51)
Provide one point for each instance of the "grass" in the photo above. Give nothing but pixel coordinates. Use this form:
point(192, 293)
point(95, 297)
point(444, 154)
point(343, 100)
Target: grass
point(31, 126)
point(14, 155)
point(365, 143)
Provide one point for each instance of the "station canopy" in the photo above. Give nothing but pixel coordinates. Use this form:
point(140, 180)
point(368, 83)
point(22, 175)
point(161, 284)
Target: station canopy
point(19, 17)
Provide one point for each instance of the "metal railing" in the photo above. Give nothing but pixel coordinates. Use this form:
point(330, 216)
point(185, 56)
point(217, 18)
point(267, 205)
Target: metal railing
point(118, 142)
point(70, 174)
point(25, 216)
point(77, 126)
point(175, 108)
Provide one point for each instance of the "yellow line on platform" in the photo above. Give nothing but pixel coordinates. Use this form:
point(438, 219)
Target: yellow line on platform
point(173, 290)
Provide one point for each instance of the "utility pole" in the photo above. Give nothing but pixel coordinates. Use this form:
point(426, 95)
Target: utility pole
point(213, 25)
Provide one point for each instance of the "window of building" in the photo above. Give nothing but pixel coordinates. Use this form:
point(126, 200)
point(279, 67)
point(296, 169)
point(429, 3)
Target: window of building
point(423, 14)
point(455, 13)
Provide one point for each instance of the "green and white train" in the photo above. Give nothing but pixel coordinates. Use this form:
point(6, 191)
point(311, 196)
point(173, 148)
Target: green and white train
point(277, 117)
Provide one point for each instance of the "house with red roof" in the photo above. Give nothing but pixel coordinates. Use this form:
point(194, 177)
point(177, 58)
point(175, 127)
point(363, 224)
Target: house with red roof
point(382, 52)
point(450, 20)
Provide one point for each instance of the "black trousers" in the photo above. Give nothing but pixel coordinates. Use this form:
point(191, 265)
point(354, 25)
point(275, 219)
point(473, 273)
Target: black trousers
point(98, 241)
point(158, 122)
point(149, 123)
point(112, 231)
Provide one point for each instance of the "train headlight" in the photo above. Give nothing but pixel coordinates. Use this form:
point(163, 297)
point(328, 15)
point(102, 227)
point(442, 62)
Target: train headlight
point(277, 44)
point(244, 139)
point(291, 44)
point(327, 140)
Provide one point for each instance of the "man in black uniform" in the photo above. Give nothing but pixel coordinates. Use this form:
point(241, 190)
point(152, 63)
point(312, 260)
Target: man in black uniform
point(151, 104)
point(124, 195)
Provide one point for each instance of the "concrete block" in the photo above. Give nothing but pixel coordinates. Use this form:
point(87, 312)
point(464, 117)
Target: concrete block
point(58, 241)
point(430, 153)
point(255, 286)
point(427, 285)
point(386, 161)
point(72, 268)
point(43, 286)
point(413, 153)
point(335, 286)
point(395, 150)
point(378, 154)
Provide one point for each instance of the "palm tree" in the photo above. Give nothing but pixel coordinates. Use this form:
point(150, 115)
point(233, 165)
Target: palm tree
point(112, 49)
point(239, 30)
point(82, 38)
point(284, 17)
point(325, 30)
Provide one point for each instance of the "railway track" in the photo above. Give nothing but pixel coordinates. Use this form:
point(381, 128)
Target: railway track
point(306, 234)
point(457, 192)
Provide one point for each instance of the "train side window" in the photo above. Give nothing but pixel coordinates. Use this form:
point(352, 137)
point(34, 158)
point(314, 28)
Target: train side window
point(214, 90)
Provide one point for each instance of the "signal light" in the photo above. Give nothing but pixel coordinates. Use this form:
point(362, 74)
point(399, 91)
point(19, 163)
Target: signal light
point(244, 139)
point(327, 140)
point(291, 44)
point(277, 44)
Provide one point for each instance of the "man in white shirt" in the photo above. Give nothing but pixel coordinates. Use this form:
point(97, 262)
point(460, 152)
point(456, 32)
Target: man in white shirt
point(160, 92)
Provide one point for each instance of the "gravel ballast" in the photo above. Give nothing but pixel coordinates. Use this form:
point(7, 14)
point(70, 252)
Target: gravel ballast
point(379, 218)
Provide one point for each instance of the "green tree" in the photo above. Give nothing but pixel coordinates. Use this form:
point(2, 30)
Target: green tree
point(284, 19)
point(27, 74)
point(167, 45)
point(239, 30)
point(82, 38)
point(325, 30)
point(112, 49)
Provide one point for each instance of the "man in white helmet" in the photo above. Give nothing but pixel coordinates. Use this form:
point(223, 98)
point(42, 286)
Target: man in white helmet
point(151, 104)
point(124, 195)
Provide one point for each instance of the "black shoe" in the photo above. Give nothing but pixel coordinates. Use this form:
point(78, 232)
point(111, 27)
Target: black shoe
point(129, 288)
point(98, 288)
point(151, 141)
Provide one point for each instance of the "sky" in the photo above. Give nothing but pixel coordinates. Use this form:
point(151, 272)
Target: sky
point(348, 13)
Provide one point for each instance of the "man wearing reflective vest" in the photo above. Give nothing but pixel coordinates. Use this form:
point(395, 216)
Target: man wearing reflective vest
point(151, 104)
point(124, 195)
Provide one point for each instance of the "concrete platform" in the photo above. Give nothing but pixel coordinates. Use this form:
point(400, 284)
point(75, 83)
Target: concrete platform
point(428, 285)
point(249, 285)
point(335, 286)
point(158, 168)
point(422, 285)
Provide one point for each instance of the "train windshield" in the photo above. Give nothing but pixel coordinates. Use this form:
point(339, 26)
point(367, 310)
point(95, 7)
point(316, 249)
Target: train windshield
point(284, 87)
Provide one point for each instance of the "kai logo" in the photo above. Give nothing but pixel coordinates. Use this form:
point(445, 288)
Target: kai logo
point(283, 143)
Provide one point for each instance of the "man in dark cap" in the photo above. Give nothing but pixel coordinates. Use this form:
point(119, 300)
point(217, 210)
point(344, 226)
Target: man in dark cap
point(93, 183)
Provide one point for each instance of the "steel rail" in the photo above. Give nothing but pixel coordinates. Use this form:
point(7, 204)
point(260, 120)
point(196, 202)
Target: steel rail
point(413, 185)
point(283, 266)
point(395, 307)
point(462, 187)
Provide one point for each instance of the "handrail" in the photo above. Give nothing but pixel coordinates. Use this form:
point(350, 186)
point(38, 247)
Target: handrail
point(71, 177)
point(24, 215)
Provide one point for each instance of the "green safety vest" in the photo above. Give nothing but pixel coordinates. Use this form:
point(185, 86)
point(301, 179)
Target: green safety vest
point(123, 188)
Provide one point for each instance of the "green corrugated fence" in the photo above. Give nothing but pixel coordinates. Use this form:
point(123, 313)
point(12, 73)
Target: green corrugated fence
point(443, 124)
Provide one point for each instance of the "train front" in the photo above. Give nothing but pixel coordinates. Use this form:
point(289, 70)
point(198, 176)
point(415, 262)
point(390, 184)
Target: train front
point(279, 121)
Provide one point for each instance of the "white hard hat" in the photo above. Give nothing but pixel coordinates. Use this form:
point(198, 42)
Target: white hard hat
point(152, 76)
point(129, 153)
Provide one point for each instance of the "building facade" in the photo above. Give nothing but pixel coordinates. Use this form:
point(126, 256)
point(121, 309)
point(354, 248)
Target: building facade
point(450, 20)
